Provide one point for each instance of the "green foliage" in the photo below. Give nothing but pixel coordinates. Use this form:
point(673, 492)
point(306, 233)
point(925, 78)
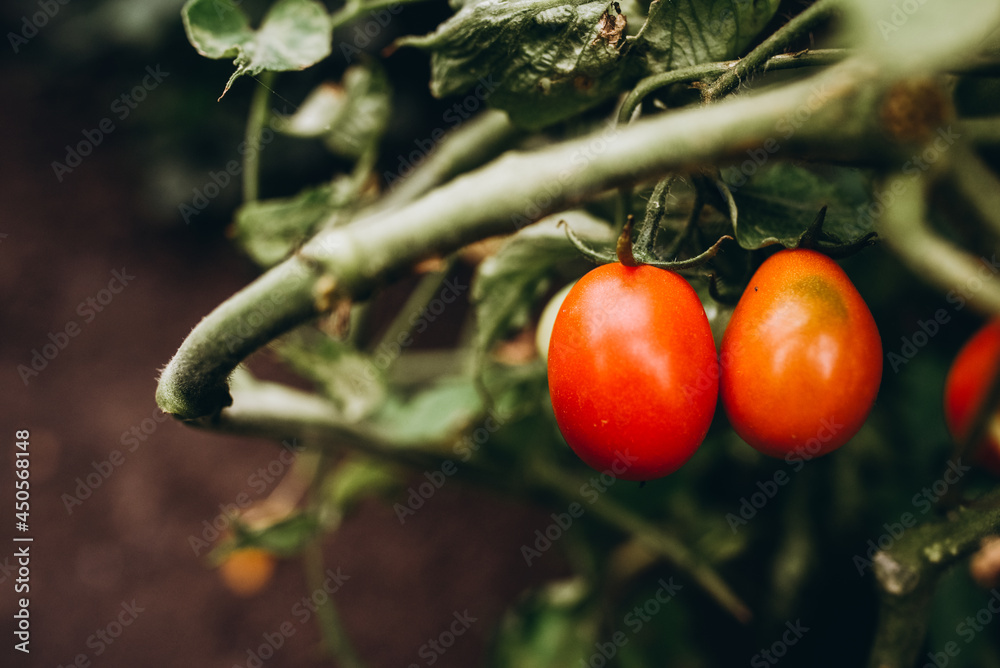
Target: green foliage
point(554, 627)
point(285, 538)
point(269, 230)
point(294, 35)
point(539, 60)
point(550, 64)
point(688, 32)
point(436, 415)
point(351, 117)
point(780, 202)
point(543, 61)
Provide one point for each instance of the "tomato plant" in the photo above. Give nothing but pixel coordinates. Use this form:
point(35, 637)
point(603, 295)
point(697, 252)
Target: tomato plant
point(801, 357)
point(627, 351)
point(965, 390)
point(568, 125)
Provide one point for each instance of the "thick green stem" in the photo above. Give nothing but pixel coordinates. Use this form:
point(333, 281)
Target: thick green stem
point(255, 126)
point(908, 573)
point(779, 40)
point(500, 198)
point(468, 147)
point(984, 131)
point(978, 185)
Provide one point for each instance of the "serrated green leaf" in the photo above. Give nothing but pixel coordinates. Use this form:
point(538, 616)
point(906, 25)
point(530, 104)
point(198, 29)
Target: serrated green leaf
point(268, 230)
point(680, 33)
point(781, 201)
point(507, 284)
point(919, 36)
point(553, 628)
point(541, 61)
point(284, 538)
point(293, 35)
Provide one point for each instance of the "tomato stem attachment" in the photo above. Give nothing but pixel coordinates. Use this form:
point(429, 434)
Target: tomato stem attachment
point(624, 247)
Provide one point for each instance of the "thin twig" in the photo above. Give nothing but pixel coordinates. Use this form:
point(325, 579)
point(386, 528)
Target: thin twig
point(778, 41)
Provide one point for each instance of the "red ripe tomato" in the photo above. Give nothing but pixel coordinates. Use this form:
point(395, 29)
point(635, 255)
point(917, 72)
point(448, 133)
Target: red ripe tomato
point(801, 358)
point(965, 389)
point(633, 372)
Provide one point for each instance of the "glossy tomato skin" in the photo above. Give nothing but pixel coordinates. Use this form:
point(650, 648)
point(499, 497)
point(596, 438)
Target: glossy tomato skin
point(801, 358)
point(633, 372)
point(966, 387)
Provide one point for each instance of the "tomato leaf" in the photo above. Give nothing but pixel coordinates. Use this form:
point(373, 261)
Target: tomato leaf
point(541, 61)
point(781, 200)
point(350, 117)
point(435, 415)
point(269, 230)
point(507, 284)
point(679, 34)
point(294, 35)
